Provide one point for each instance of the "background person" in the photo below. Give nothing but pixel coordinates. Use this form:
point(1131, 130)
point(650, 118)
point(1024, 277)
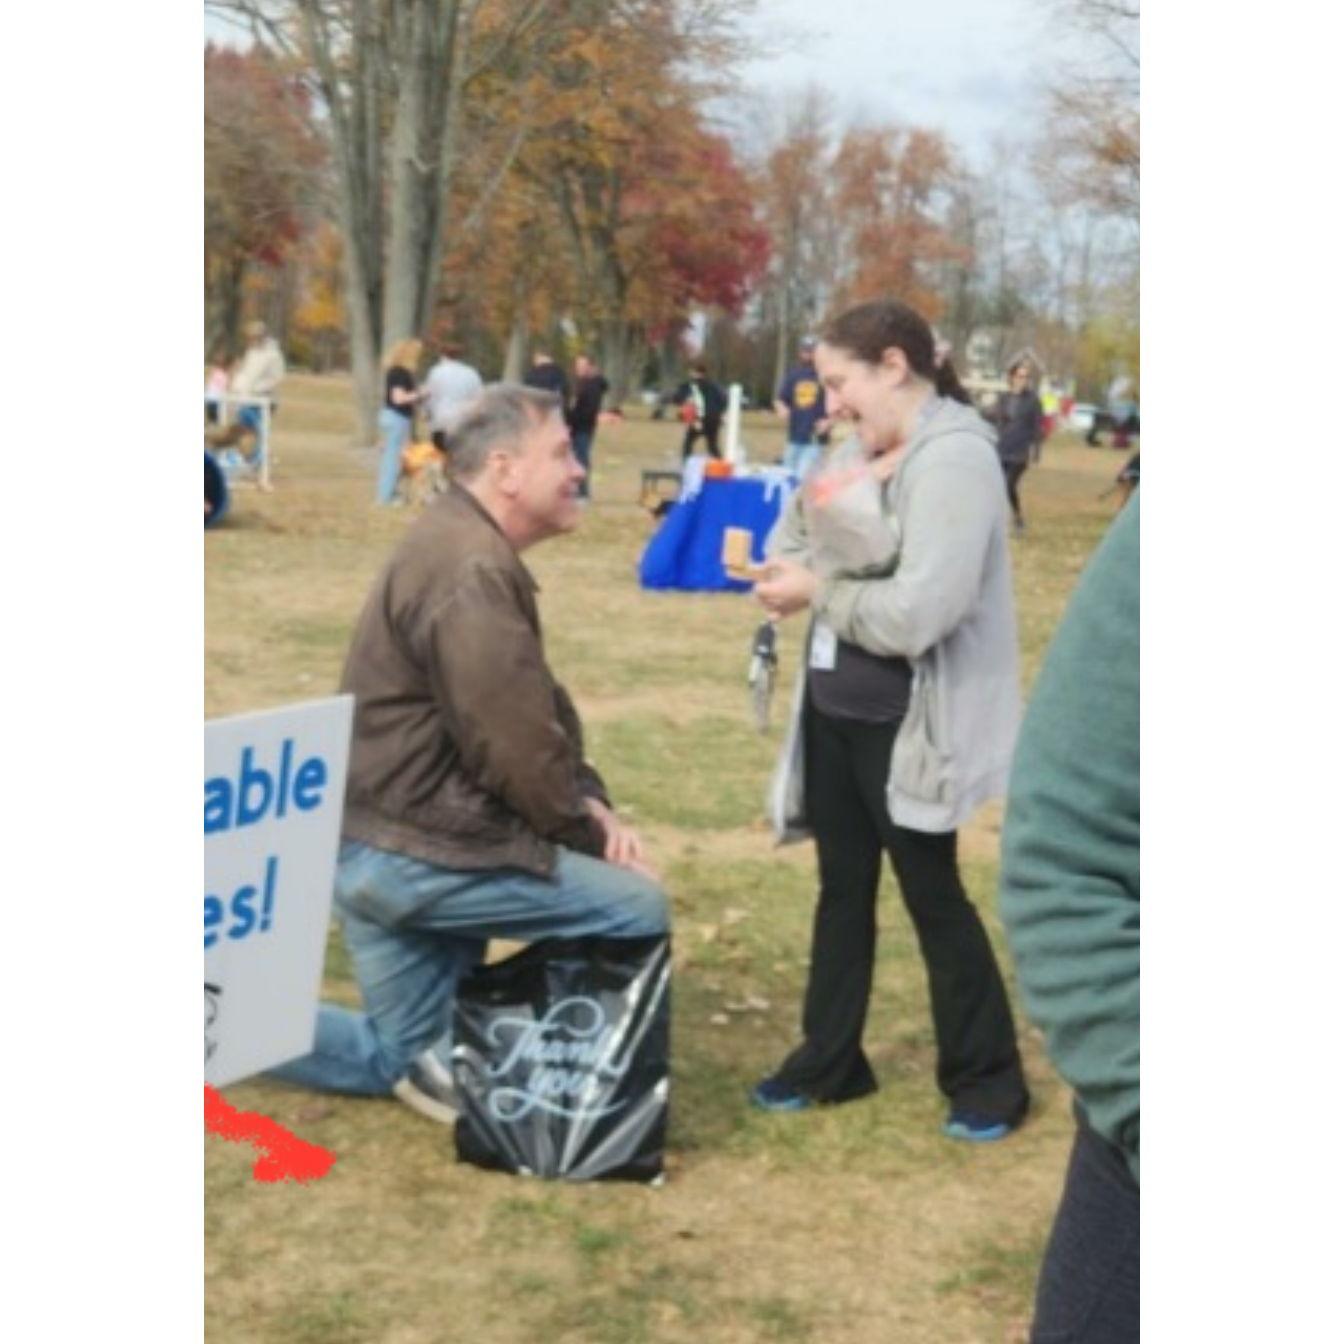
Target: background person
point(1017, 413)
point(216, 385)
point(1121, 415)
point(1069, 894)
point(470, 810)
point(450, 386)
point(707, 402)
point(801, 400)
point(904, 722)
point(258, 375)
point(547, 376)
point(1050, 403)
point(589, 389)
point(397, 417)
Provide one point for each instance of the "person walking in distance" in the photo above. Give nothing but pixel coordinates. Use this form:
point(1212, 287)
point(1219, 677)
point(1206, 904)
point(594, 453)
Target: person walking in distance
point(589, 389)
point(1018, 417)
point(397, 417)
point(450, 387)
point(547, 376)
point(702, 403)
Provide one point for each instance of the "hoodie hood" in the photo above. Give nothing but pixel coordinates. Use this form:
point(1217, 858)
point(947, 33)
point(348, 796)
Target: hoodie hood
point(951, 417)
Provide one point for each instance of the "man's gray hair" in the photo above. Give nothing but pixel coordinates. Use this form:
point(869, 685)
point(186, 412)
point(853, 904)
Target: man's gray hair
point(497, 418)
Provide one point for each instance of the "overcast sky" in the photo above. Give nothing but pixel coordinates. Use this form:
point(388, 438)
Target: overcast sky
point(971, 68)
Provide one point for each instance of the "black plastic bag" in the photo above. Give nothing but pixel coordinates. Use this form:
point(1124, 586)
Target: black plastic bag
point(560, 1057)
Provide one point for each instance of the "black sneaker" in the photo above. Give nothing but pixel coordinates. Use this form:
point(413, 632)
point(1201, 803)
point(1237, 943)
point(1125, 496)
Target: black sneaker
point(428, 1087)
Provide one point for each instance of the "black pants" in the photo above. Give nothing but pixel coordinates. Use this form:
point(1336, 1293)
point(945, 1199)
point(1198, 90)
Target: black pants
point(1012, 474)
point(1088, 1291)
point(978, 1064)
point(709, 430)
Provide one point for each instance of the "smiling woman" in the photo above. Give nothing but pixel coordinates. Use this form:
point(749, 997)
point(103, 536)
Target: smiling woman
point(905, 718)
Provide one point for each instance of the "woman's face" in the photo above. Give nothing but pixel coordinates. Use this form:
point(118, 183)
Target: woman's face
point(867, 395)
point(1021, 376)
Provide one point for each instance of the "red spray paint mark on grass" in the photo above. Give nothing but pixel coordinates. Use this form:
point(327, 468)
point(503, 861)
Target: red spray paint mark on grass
point(284, 1156)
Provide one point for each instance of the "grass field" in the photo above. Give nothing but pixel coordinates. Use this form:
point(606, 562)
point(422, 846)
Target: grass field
point(858, 1223)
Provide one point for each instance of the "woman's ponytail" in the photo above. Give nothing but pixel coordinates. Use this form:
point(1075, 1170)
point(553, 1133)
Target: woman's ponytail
point(947, 384)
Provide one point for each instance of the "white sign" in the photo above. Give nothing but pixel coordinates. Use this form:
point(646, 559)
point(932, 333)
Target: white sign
point(737, 455)
point(274, 794)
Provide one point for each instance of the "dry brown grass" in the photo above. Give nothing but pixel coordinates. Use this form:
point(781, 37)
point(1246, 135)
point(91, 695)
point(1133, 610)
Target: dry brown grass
point(855, 1224)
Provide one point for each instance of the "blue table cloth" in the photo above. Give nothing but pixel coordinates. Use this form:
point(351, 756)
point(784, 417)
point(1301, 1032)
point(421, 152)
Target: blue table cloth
point(686, 552)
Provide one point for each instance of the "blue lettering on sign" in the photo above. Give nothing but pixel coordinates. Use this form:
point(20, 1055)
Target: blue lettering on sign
point(244, 914)
point(253, 791)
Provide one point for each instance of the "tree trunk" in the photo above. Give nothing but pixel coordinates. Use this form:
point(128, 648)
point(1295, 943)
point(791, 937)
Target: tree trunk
point(414, 52)
point(782, 336)
point(614, 339)
point(228, 323)
point(353, 106)
point(515, 356)
point(423, 146)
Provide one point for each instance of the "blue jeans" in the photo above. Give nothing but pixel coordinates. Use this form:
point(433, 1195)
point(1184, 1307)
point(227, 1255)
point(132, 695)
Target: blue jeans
point(800, 458)
point(250, 418)
point(413, 929)
point(582, 441)
point(396, 430)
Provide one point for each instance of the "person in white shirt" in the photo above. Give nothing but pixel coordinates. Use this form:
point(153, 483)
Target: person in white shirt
point(450, 387)
point(258, 375)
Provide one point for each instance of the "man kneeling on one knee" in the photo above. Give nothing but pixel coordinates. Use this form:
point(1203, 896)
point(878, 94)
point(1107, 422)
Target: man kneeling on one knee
point(470, 810)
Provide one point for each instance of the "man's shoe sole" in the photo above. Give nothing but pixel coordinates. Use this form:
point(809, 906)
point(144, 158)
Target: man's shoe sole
point(405, 1090)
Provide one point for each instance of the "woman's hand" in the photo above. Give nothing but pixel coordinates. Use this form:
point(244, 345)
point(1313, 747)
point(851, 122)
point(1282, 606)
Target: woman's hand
point(884, 465)
point(786, 588)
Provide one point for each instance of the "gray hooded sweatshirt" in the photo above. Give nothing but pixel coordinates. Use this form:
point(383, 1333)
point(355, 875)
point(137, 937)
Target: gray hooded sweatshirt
point(946, 604)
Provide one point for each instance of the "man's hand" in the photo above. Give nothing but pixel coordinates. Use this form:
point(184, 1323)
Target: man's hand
point(624, 848)
point(786, 588)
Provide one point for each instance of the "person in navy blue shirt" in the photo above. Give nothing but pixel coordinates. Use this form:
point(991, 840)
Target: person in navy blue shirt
point(801, 400)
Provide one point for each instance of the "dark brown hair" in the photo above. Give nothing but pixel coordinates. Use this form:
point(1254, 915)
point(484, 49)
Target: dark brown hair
point(866, 331)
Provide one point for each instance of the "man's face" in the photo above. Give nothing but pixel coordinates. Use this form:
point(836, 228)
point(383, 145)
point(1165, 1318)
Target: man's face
point(582, 367)
point(545, 478)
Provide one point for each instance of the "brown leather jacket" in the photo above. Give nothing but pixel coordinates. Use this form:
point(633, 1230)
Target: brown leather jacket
point(466, 752)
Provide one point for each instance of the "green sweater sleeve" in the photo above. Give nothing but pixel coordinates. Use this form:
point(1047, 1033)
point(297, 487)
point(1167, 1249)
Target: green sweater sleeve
point(1069, 888)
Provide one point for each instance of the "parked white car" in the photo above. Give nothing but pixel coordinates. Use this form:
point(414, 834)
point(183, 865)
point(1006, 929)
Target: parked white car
point(1082, 416)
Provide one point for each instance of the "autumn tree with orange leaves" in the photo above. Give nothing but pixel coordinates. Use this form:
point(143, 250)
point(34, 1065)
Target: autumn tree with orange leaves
point(263, 161)
point(891, 194)
point(619, 213)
